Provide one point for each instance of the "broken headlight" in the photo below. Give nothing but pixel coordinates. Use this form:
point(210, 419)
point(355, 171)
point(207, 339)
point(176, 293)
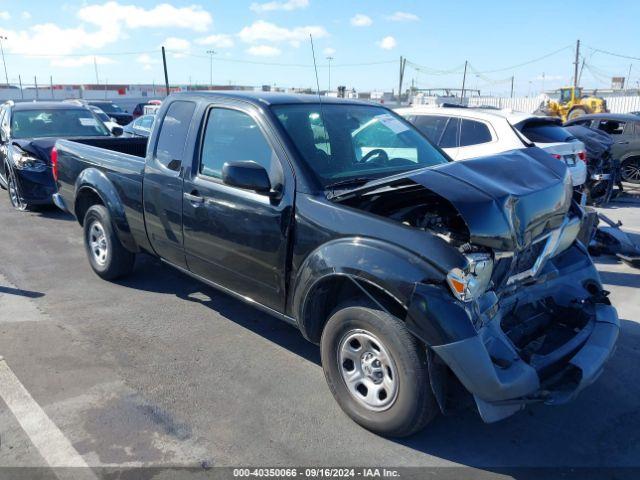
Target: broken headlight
point(469, 283)
point(24, 161)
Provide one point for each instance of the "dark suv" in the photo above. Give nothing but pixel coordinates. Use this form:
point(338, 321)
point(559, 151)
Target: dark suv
point(625, 130)
point(28, 132)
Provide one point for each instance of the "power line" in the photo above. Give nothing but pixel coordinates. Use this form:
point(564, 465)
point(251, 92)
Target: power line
point(529, 61)
point(628, 57)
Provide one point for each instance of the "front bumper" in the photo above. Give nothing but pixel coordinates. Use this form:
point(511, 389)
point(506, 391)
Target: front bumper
point(504, 376)
point(35, 188)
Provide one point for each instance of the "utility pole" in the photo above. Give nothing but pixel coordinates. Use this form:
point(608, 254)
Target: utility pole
point(6, 76)
point(95, 66)
point(512, 86)
point(166, 75)
point(35, 81)
point(329, 58)
point(403, 63)
point(575, 64)
point(464, 80)
point(21, 90)
point(51, 85)
point(628, 81)
point(211, 54)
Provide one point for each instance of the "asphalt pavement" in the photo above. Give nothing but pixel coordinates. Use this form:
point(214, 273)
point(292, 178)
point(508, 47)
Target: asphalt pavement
point(158, 369)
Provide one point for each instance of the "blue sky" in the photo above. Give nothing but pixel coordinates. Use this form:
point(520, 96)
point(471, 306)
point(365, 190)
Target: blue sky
point(366, 39)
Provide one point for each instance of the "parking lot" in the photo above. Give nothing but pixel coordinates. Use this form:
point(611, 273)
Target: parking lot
point(161, 370)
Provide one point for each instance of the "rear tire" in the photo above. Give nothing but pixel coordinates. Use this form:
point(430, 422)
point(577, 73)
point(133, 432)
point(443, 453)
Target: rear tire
point(377, 371)
point(107, 257)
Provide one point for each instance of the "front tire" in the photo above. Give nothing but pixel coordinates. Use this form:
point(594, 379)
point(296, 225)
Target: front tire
point(14, 192)
point(377, 371)
point(108, 258)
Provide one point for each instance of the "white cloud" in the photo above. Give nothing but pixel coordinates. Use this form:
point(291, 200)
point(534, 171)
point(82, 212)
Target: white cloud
point(262, 31)
point(147, 60)
point(387, 43)
point(163, 15)
point(217, 40)
point(264, 51)
point(102, 25)
point(25, 15)
point(177, 46)
point(329, 51)
point(404, 17)
point(360, 20)
point(4, 15)
point(272, 6)
point(73, 62)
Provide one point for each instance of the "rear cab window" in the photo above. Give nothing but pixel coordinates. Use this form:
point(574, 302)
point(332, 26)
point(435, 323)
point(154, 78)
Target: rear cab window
point(545, 132)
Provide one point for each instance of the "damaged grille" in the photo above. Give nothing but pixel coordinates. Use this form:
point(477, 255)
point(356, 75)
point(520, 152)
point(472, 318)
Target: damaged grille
point(526, 259)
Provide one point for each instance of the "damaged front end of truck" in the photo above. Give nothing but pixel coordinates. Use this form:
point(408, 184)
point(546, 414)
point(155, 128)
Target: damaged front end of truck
point(522, 316)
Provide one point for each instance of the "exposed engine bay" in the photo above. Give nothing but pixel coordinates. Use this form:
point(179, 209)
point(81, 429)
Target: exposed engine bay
point(416, 206)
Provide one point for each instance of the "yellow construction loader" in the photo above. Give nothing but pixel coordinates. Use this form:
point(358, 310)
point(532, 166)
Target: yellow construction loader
point(571, 104)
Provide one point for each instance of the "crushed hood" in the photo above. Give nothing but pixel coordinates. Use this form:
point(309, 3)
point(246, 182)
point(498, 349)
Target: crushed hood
point(40, 147)
point(506, 200)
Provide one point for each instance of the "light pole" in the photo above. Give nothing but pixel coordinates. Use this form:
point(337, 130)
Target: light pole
point(211, 54)
point(6, 76)
point(329, 58)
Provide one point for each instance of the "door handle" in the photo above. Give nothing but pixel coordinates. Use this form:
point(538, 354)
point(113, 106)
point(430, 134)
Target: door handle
point(194, 197)
point(623, 143)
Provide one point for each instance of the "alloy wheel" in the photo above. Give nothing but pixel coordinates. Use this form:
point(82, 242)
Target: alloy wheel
point(368, 370)
point(631, 171)
point(98, 243)
point(14, 195)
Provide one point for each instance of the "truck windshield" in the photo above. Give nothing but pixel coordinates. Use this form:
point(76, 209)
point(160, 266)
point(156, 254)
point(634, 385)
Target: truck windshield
point(56, 122)
point(355, 142)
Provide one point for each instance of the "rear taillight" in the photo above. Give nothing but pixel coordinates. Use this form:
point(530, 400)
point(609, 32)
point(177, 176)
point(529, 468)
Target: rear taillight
point(582, 156)
point(54, 163)
point(556, 156)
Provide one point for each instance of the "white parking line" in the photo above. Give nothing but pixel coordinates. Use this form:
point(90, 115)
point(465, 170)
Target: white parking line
point(54, 447)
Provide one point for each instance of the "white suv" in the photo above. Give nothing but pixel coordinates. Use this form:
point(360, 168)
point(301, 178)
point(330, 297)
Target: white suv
point(465, 133)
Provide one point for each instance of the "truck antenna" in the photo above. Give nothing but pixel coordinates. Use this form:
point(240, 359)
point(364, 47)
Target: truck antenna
point(315, 66)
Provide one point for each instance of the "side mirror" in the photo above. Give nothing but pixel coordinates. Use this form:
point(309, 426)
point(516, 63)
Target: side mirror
point(117, 131)
point(246, 174)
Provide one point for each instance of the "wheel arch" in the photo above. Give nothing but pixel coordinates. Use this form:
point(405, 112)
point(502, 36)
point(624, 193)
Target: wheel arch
point(376, 272)
point(94, 188)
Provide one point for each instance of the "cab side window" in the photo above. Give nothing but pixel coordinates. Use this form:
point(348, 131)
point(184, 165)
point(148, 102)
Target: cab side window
point(612, 127)
point(474, 133)
point(450, 137)
point(232, 135)
point(431, 126)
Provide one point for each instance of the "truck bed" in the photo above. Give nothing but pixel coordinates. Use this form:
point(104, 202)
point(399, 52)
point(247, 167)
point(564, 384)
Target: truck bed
point(136, 146)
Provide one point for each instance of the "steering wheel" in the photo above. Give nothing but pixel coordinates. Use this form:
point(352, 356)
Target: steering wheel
point(375, 152)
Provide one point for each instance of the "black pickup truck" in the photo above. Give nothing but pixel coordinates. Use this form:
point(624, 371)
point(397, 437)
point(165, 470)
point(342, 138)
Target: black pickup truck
point(410, 271)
